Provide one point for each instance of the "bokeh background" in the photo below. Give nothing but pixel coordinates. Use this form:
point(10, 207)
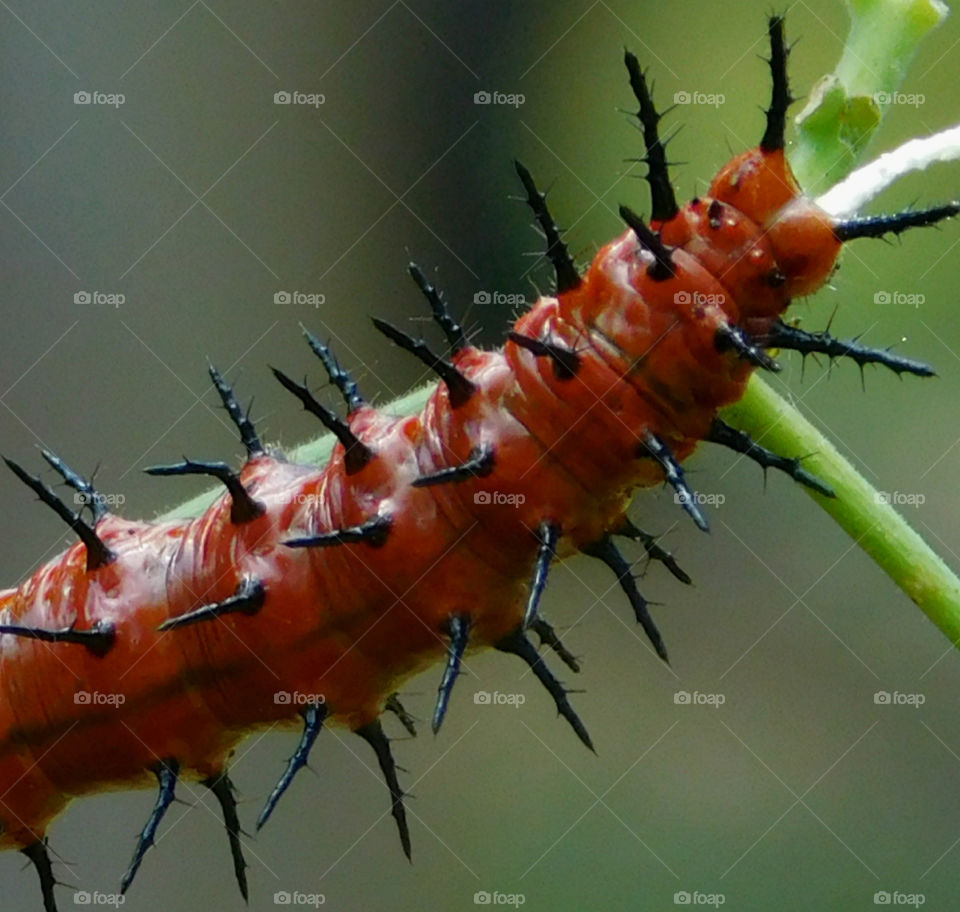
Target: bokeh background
point(199, 199)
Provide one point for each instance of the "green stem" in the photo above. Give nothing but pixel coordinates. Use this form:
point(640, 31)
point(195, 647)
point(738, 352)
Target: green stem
point(833, 132)
point(845, 110)
point(859, 509)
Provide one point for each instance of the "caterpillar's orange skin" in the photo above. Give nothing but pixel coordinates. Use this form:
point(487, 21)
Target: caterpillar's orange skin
point(355, 644)
point(353, 622)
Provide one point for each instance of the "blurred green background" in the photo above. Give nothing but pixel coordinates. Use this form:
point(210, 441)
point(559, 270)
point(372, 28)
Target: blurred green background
point(199, 199)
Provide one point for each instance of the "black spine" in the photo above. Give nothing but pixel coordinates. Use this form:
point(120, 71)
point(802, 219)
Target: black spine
point(568, 277)
point(438, 307)
point(663, 202)
point(780, 99)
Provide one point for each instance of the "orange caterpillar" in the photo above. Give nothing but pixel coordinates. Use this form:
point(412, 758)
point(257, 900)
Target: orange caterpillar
point(445, 523)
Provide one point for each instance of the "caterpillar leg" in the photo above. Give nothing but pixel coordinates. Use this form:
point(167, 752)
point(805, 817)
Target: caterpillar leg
point(166, 772)
point(313, 717)
point(723, 434)
point(39, 855)
point(822, 343)
point(517, 644)
point(374, 736)
point(224, 792)
point(458, 627)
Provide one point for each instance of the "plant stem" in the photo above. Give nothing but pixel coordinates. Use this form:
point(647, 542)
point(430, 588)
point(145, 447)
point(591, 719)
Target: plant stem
point(845, 111)
point(833, 132)
point(860, 510)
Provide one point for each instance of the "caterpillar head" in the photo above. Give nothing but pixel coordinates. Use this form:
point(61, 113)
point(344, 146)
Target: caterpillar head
point(760, 184)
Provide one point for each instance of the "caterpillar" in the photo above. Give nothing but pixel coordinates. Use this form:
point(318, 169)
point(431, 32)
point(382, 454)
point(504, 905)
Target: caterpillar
point(203, 597)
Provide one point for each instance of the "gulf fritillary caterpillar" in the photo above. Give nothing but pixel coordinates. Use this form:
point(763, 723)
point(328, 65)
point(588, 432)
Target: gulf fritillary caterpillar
point(632, 333)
